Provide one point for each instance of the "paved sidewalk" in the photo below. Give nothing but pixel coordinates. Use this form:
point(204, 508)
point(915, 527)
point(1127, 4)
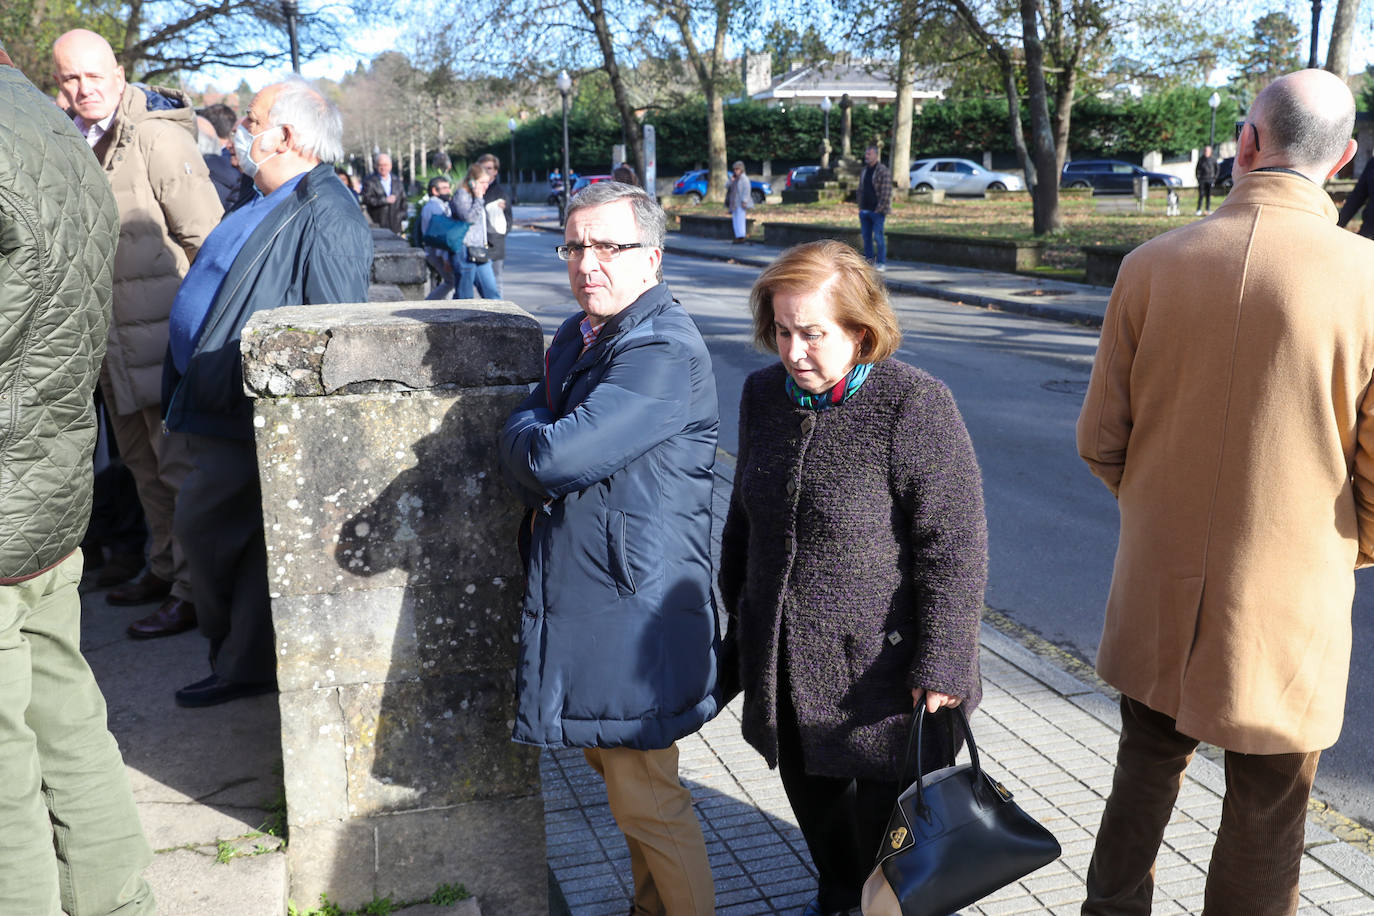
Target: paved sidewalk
point(1049, 737)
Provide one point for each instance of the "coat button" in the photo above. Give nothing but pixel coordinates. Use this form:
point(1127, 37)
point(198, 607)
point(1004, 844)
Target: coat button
point(808, 423)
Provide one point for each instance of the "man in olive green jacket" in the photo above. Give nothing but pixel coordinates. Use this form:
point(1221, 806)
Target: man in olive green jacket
point(145, 139)
point(71, 839)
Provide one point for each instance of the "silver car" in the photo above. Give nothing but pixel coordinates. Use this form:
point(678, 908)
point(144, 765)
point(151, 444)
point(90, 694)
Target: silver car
point(960, 176)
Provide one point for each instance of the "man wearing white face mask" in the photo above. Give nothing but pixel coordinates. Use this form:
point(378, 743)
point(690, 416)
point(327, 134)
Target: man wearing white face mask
point(144, 139)
point(303, 242)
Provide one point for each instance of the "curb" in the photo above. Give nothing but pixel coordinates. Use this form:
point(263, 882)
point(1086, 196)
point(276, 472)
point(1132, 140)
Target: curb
point(931, 291)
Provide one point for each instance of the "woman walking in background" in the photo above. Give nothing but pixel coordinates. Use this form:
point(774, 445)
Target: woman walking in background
point(474, 262)
point(853, 558)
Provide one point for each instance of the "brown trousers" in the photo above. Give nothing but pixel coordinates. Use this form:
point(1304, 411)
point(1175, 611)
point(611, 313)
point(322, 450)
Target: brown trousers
point(653, 810)
point(159, 463)
point(1259, 846)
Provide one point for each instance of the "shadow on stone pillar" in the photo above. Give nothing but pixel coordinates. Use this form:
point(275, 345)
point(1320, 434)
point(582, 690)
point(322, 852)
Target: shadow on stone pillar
point(396, 592)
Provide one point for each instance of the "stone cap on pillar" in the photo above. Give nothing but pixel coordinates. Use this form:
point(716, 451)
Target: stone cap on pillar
point(361, 348)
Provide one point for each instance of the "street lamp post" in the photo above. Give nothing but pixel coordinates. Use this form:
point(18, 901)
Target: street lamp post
point(288, 8)
point(1316, 20)
point(564, 84)
point(1212, 102)
point(825, 107)
point(511, 174)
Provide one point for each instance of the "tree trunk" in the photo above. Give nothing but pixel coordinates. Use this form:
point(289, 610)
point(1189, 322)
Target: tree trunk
point(595, 10)
point(715, 146)
point(901, 121)
point(1342, 32)
point(1018, 133)
point(1064, 88)
point(1045, 197)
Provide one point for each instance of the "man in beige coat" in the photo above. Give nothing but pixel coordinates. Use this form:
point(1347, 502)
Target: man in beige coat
point(1230, 412)
point(145, 138)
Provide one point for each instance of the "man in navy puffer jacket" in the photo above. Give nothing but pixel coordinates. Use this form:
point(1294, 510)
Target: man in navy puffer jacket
point(613, 452)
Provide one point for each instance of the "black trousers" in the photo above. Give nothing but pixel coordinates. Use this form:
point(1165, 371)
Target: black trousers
point(842, 820)
point(1204, 191)
point(219, 523)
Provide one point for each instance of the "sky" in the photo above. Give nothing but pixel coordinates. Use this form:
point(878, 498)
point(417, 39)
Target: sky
point(370, 42)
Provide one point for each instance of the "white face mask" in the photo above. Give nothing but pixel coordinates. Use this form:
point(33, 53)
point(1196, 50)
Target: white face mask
point(243, 146)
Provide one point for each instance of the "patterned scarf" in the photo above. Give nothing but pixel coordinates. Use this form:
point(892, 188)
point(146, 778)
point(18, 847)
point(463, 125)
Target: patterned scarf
point(842, 391)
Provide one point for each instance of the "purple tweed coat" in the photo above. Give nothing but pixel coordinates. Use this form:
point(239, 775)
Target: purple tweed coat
point(856, 540)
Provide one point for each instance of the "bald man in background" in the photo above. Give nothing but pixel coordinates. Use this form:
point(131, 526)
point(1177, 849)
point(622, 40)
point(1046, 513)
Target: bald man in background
point(145, 140)
point(1231, 413)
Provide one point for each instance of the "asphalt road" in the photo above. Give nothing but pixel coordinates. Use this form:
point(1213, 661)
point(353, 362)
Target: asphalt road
point(1019, 383)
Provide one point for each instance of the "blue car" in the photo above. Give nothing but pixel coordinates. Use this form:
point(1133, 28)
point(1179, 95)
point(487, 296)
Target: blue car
point(693, 184)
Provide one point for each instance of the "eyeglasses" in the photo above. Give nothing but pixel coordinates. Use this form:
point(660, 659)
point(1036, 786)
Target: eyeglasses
point(604, 251)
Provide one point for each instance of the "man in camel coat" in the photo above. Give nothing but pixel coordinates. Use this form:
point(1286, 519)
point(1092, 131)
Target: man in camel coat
point(1231, 417)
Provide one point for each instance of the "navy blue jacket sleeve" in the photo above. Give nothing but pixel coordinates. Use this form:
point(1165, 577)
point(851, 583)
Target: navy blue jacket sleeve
point(640, 401)
point(340, 271)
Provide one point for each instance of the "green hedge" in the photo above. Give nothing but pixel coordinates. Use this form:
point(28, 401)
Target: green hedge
point(1173, 122)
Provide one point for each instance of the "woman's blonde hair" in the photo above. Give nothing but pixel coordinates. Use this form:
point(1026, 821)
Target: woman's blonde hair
point(854, 287)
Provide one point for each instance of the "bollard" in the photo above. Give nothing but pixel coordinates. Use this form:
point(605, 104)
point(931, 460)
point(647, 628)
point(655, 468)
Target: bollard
point(396, 594)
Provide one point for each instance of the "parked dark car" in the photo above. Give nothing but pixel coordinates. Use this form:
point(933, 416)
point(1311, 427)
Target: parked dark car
point(1112, 176)
point(1224, 178)
point(803, 176)
point(693, 184)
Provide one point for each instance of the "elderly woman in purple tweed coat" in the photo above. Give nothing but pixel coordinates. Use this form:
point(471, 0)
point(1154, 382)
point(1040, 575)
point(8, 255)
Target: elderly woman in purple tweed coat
point(853, 559)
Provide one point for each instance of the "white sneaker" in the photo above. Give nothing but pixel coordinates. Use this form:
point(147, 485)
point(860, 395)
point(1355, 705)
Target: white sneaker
point(880, 268)
point(1198, 213)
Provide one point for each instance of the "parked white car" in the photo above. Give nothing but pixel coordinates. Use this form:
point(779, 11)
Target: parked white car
point(960, 176)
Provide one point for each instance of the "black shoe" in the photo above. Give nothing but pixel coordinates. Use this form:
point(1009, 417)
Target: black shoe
point(215, 690)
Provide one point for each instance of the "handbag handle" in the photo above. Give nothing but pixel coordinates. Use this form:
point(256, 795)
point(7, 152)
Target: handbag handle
point(913, 744)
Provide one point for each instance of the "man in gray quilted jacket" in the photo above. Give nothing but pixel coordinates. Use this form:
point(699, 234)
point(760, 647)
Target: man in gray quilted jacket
point(70, 839)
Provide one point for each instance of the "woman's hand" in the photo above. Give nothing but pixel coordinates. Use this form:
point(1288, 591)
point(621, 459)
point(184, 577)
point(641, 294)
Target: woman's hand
point(934, 699)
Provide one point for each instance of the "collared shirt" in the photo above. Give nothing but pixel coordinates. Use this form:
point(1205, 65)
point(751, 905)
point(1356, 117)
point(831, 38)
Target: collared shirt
point(386, 183)
point(589, 332)
point(94, 130)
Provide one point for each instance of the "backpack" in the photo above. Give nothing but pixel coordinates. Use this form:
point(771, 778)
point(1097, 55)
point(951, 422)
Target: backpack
point(445, 232)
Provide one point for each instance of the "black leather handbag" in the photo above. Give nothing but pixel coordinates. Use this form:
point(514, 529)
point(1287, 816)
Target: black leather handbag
point(954, 837)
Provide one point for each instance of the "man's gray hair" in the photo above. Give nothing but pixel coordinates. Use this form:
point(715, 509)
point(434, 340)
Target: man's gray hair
point(1309, 134)
point(318, 124)
point(649, 216)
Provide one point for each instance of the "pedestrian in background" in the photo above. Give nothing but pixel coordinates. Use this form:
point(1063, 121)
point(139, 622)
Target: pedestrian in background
point(1358, 200)
point(440, 259)
point(474, 261)
point(612, 454)
point(71, 841)
point(875, 202)
point(500, 208)
point(234, 188)
point(145, 140)
point(384, 196)
point(1206, 174)
point(853, 557)
point(303, 241)
point(1231, 413)
point(738, 200)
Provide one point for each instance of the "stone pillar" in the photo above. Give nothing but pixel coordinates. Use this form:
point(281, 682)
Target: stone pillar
point(396, 597)
point(398, 270)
